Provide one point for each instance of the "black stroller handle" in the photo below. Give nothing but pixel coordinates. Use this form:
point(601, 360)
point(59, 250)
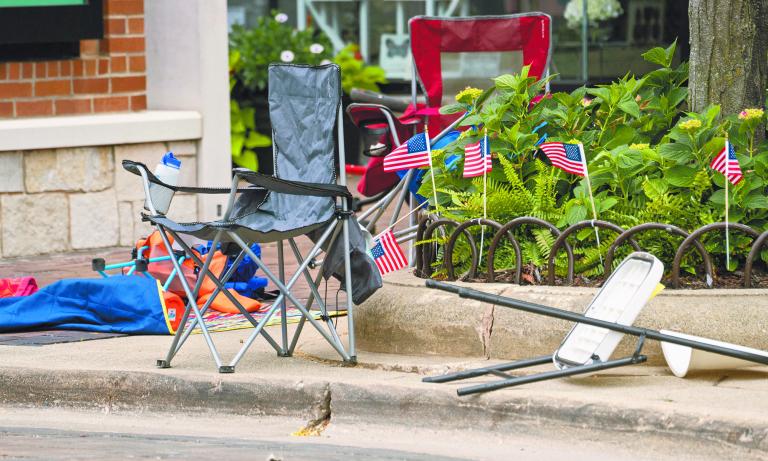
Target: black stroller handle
point(394, 103)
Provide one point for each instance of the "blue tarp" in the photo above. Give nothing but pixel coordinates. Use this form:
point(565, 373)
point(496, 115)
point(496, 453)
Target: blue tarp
point(128, 305)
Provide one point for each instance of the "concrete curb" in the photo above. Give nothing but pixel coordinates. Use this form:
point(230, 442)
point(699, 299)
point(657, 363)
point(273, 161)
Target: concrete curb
point(387, 403)
point(496, 411)
point(405, 317)
point(142, 391)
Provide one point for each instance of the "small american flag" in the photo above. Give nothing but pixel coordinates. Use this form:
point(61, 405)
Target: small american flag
point(567, 157)
point(387, 254)
point(719, 163)
point(410, 154)
point(477, 159)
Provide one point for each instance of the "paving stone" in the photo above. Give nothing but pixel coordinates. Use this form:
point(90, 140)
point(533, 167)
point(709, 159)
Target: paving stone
point(94, 220)
point(34, 224)
point(79, 169)
point(12, 176)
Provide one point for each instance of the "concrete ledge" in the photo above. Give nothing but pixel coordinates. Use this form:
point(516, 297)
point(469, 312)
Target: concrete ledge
point(140, 391)
point(98, 130)
point(405, 317)
point(390, 402)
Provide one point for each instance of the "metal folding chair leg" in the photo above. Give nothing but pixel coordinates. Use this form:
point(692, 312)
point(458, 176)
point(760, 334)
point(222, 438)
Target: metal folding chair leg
point(192, 303)
point(459, 375)
point(222, 289)
point(285, 289)
point(187, 331)
point(578, 370)
point(313, 295)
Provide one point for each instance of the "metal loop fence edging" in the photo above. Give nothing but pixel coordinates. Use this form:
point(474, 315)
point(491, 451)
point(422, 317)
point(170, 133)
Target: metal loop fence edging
point(695, 235)
point(423, 222)
point(507, 229)
point(463, 229)
point(753, 254)
point(566, 233)
point(425, 254)
point(426, 251)
point(670, 228)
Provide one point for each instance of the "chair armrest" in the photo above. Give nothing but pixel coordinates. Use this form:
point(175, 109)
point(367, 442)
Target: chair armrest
point(136, 167)
point(283, 186)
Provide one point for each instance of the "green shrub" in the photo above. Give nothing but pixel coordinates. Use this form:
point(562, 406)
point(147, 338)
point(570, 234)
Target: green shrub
point(648, 161)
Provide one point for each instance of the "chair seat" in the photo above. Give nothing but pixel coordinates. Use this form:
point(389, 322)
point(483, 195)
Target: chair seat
point(208, 230)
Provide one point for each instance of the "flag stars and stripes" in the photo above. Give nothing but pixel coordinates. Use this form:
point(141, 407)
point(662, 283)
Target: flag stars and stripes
point(733, 173)
point(387, 254)
point(477, 159)
point(565, 156)
point(411, 154)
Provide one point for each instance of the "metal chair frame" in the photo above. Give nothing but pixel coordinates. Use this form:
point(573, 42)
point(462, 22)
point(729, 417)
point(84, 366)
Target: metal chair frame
point(338, 227)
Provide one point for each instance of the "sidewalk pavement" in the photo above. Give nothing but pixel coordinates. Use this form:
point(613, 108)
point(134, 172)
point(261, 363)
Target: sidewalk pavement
point(118, 375)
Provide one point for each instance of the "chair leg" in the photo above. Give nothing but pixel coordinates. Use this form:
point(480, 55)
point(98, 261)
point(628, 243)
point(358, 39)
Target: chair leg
point(578, 370)
point(350, 307)
point(314, 294)
point(283, 310)
point(206, 306)
point(285, 288)
point(459, 375)
point(191, 296)
point(222, 289)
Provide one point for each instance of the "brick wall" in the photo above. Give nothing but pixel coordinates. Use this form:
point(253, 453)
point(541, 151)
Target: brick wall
point(109, 75)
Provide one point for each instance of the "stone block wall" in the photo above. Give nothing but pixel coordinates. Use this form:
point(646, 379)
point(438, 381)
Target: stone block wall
point(81, 198)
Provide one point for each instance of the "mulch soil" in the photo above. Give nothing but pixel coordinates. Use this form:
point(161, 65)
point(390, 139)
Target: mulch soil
point(532, 275)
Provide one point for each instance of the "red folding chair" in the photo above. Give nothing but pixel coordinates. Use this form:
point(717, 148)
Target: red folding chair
point(525, 36)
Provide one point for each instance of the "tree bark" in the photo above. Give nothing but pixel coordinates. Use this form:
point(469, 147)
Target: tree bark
point(729, 54)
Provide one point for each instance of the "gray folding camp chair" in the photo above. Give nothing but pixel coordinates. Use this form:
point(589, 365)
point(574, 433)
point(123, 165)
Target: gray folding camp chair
point(302, 198)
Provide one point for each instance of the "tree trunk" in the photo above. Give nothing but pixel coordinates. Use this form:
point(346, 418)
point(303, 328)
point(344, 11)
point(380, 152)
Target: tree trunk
point(729, 49)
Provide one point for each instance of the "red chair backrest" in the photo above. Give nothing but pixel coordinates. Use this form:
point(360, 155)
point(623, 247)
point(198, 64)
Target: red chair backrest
point(529, 33)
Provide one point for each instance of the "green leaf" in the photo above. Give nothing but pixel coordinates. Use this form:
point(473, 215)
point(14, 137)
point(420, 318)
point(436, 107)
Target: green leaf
point(718, 197)
point(506, 81)
point(627, 161)
point(472, 120)
point(453, 108)
point(677, 95)
point(630, 107)
point(680, 175)
point(676, 152)
point(575, 214)
point(661, 56)
point(606, 204)
point(756, 201)
point(256, 140)
point(624, 134)
point(657, 56)
point(602, 93)
point(655, 188)
point(238, 139)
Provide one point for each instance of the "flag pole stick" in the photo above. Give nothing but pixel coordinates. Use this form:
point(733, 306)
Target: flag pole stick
point(391, 226)
point(591, 199)
point(485, 187)
point(431, 170)
point(727, 180)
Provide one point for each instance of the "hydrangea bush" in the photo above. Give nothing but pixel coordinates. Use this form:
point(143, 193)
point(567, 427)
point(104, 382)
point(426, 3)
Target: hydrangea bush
point(647, 157)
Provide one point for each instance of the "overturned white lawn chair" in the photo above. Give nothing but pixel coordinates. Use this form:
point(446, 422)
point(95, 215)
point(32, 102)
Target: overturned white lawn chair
point(587, 348)
point(302, 198)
